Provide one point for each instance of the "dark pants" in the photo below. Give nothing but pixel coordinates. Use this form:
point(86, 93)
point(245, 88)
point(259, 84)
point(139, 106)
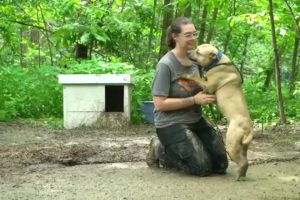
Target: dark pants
point(194, 148)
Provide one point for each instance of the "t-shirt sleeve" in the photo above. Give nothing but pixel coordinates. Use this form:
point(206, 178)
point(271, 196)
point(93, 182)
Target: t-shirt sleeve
point(162, 81)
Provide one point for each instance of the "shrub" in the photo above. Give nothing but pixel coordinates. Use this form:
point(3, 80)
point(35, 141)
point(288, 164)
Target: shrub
point(35, 92)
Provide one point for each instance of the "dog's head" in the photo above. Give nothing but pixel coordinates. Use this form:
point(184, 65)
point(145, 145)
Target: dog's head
point(204, 54)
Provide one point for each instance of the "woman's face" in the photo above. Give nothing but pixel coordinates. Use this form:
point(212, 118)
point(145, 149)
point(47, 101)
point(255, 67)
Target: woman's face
point(187, 38)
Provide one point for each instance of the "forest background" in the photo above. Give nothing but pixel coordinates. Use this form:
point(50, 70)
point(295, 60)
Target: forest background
point(40, 39)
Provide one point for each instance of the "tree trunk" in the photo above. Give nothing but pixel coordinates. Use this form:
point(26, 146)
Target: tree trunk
point(228, 35)
point(22, 47)
point(167, 20)
point(90, 50)
point(294, 71)
point(277, 67)
point(269, 72)
point(81, 51)
point(212, 26)
point(150, 36)
point(47, 36)
point(203, 25)
point(35, 39)
point(152, 25)
point(123, 5)
point(244, 53)
point(295, 20)
point(188, 10)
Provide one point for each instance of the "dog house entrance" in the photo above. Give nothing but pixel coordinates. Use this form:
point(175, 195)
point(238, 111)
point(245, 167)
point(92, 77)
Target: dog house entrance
point(114, 98)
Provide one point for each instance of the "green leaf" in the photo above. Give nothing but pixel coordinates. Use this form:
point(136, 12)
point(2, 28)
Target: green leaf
point(100, 37)
point(85, 38)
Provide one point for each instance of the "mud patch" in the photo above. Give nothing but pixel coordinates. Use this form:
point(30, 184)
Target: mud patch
point(26, 145)
point(31, 145)
point(41, 163)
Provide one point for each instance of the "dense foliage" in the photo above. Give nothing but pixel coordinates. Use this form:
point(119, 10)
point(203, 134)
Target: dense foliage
point(35, 92)
point(40, 39)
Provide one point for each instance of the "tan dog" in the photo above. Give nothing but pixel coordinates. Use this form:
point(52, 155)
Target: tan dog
point(224, 80)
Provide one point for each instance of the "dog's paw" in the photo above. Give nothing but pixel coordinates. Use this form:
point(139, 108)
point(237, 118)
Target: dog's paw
point(205, 89)
point(185, 76)
point(242, 178)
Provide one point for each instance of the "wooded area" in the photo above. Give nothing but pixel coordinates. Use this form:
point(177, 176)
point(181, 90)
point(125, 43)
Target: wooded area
point(40, 39)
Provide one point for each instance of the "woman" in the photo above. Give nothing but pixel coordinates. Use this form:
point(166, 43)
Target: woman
point(186, 141)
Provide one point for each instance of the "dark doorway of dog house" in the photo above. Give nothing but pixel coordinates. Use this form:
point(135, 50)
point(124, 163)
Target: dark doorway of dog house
point(114, 98)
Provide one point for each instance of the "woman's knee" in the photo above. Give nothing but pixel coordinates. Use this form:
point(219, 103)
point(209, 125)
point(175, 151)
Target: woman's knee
point(181, 150)
point(185, 149)
point(188, 160)
point(198, 162)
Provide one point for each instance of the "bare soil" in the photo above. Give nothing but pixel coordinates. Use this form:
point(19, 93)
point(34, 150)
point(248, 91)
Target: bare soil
point(44, 163)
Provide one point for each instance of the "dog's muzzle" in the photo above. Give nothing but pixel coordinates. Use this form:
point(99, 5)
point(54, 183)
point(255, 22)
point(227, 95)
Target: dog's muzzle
point(190, 55)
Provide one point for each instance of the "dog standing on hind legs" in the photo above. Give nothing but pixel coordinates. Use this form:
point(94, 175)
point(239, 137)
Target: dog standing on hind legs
point(224, 80)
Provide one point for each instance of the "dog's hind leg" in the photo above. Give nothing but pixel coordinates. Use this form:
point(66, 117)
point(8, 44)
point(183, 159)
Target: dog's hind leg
point(244, 166)
point(236, 146)
point(235, 154)
point(245, 144)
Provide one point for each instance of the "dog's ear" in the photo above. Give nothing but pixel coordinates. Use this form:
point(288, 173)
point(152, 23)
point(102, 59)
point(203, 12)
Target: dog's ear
point(213, 51)
point(212, 55)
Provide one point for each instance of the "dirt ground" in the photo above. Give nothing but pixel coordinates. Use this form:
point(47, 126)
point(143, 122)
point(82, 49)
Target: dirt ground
point(43, 163)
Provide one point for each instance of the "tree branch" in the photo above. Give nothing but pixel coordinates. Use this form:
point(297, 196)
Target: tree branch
point(293, 17)
point(31, 25)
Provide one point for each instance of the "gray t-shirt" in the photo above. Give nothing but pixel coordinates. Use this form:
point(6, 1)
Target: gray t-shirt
point(167, 82)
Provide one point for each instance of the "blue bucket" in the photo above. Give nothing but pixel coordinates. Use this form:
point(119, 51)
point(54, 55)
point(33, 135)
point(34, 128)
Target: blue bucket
point(147, 112)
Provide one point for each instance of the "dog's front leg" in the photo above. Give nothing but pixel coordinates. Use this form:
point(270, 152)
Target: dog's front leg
point(202, 83)
point(208, 87)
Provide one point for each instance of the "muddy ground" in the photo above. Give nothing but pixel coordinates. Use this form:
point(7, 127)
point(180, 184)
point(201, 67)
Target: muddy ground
point(43, 163)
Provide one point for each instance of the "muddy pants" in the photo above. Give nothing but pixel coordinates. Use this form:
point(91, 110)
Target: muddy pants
point(194, 148)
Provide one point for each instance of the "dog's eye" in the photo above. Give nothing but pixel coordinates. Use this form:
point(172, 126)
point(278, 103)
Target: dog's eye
point(198, 53)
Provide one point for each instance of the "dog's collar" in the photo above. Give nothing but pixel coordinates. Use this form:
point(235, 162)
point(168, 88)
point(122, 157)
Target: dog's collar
point(214, 62)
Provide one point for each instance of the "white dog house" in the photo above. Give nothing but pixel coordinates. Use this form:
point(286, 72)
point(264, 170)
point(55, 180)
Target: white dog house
point(96, 100)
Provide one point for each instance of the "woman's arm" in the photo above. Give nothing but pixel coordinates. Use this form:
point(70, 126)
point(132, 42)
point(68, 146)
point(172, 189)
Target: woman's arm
point(163, 103)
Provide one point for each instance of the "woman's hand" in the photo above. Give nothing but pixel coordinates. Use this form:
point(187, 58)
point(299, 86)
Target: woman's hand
point(202, 98)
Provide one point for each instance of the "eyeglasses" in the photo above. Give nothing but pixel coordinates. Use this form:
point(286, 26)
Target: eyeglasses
point(189, 35)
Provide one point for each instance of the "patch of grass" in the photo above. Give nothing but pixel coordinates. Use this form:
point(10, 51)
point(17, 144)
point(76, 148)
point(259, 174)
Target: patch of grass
point(44, 122)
